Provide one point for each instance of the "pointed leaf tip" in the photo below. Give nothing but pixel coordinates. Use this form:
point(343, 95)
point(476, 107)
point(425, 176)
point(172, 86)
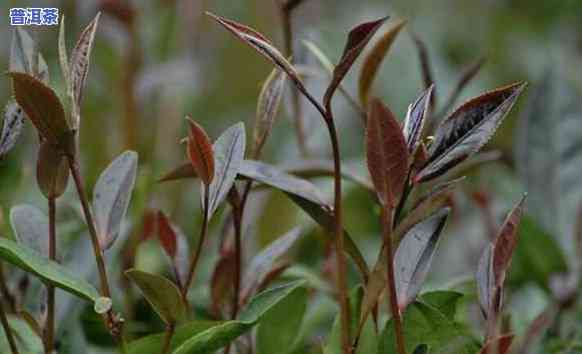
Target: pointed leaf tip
point(200, 152)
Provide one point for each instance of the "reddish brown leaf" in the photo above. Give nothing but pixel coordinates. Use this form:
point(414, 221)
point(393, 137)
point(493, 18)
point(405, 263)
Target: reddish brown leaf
point(52, 171)
point(386, 153)
point(221, 284)
point(166, 235)
point(505, 243)
point(498, 345)
point(200, 152)
point(357, 40)
point(185, 170)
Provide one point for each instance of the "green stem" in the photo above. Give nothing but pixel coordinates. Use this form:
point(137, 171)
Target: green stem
point(387, 216)
point(49, 329)
point(7, 330)
point(198, 250)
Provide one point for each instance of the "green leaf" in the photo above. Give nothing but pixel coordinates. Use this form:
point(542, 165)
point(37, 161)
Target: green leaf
point(424, 324)
point(279, 328)
point(153, 344)
point(26, 340)
point(48, 271)
point(163, 295)
point(111, 197)
point(445, 301)
point(31, 227)
point(229, 151)
point(220, 335)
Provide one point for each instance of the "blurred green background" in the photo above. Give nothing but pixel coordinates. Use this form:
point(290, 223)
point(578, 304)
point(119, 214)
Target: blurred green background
point(155, 61)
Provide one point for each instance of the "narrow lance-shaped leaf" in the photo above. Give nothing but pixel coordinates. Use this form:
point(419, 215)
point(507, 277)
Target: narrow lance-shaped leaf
point(175, 246)
point(42, 106)
point(63, 57)
point(468, 129)
point(425, 66)
point(229, 150)
point(415, 119)
point(48, 271)
point(267, 108)
point(414, 256)
point(52, 171)
point(263, 262)
point(373, 60)
point(166, 235)
point(386, 154)
point(31, 227)
point(11, 127)
point(161, 293)
point(485, 279)
point(79, 66)
point(111, 196)
point(25, 57)
point(357, 40)
point(200, 152)
point(222, 283)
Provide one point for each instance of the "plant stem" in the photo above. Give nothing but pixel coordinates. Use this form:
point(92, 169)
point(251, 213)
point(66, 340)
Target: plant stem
point(7, 296)
point(49, 329)
point(168, 338)
point(198, 250)
point(237, 218)
point(387, 217)
point(7, 330)
point(111, 322)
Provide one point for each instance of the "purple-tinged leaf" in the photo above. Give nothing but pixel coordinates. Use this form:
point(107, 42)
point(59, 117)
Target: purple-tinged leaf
point(221, 283)
point(43, 107)
point(415, 118)
point(373, 60)
point(425, 66)
point(386, 154)
point(468, 129)
point(229, 151)
point(79, 66)
point(414, 255)
point(263, 262)
point(200, 152)
point(499, 345)
point(52, 171)
point(485, 279)
point(167, 235)
point(11, 128)
point(357, 40)
point(267, 108)
point(111, 197)
point(31, 227)
point(163, 295)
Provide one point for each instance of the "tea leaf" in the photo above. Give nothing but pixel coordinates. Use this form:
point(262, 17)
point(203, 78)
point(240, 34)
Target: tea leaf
point(52, 171)
point(273, 177)
point(200, 152)
point(42, 106)
point(485, 279)
point(414, 256)
point(222, 282)
point(31, 227)
point(162, 294)
point(167, 235)
point(415, 118)
point(466, 76)
point(63, 57)
point(275, 335)
point(425, 66)
point(229, 150)
point(153, 344)
point(445, 301)
point(25, 57)
point(11, 128)
point(79, 66)
point(357, 40)
point(498, 345)
point(111, 197)
point(27, 340)
point(220, 335)
point(468, 129)
point(268, 107)
point(373, 60)
point(263, 262)
point(386, 154)
point(48, 271)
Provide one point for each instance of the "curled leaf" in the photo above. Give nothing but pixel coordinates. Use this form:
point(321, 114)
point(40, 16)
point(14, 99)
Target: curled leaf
point(200, 152)
point(468, 129)
point(386, 154)
point(415, 118)
point(11, 128)
point(43, 107)
point(111, 197)
point(79, 66)
point(357, 40)
point(162, 294)
point(267, 108)
point(414, 255)
point(52, 171)
point(373, 60)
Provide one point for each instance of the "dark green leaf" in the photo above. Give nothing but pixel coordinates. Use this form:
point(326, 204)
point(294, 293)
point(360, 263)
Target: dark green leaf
point(48, 271)
point(111, 197)
point(153, 344)
point(445, 301)
point(162, 294)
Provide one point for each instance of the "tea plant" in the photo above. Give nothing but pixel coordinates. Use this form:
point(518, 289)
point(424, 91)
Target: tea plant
point(261, 306)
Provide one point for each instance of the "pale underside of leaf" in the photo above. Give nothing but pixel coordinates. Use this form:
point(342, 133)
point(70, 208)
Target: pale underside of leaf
point(11, 127)
point(415, 119)
point(31, 227)
point(268, 107)
point(25, 57)
point(486, 279)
